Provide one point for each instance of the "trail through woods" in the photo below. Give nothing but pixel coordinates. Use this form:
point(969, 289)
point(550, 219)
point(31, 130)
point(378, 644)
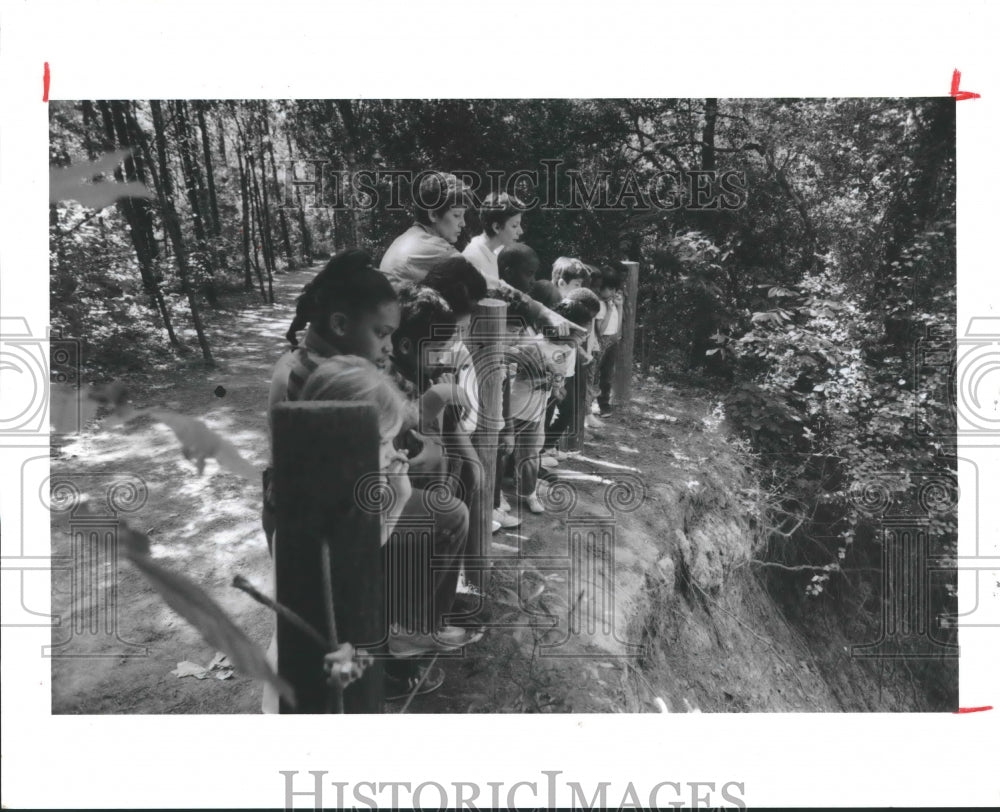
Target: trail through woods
point(634, 586)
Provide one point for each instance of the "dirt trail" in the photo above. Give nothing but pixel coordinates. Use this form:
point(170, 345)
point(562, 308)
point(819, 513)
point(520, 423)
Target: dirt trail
point(205, 526)
point(633, 586)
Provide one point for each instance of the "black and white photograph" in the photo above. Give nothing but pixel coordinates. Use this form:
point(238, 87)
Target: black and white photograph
point(505, 406)
point(585, 410)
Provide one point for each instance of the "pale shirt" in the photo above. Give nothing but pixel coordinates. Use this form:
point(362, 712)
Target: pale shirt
point(484, 259)
point(467, 380)
point(413, 253)
point(570, 363)
point(613, 313)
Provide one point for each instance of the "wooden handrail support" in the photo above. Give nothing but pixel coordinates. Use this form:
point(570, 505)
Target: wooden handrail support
point(323, 452)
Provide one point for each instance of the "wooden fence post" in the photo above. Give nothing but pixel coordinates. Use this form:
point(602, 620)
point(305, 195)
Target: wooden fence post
point(623, 368)
point(573, 439)
point(322, 451)
point(487, 335)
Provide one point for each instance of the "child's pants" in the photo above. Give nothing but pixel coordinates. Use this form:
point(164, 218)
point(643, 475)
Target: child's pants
point(606, 373)
point(566, 421)
point(528, 438)
point(422, 559)
point(421, 576)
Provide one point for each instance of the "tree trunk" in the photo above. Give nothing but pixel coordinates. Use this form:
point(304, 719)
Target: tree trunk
point(260, 189)
point(307, 247)
point(213, 201)
point(164, 191)
point(708, 135)
point(196, 199)
point(262, 228)
point(351, 147)
point(245, 208)
point(222, 140)
point(282, 220)
point(137, 212)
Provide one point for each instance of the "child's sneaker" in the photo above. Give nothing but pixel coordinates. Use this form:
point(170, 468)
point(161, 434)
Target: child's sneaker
point(413, 645)
point(504, 504)
point(495, 527)
point(506, 520)
point(606, 412)
point(534, 503)
point(549, 460)
point(428, 678)
point(593, 422)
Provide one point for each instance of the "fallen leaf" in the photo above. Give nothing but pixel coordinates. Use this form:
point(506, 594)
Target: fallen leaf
point(190, 669)
point(199, 442)
point(196, 606)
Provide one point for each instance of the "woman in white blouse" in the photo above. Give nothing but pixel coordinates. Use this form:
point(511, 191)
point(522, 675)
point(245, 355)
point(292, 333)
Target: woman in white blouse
point(501, 218)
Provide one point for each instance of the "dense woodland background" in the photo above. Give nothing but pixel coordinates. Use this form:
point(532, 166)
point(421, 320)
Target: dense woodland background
point(803, 309)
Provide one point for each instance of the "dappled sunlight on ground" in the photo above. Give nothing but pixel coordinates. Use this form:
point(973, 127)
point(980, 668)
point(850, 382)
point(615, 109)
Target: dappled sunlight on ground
point(206, 526)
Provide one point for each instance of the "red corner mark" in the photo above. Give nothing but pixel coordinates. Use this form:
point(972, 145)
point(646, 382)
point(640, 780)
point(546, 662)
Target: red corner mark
point(961, 95)
point(974, 710)
point(45, 83)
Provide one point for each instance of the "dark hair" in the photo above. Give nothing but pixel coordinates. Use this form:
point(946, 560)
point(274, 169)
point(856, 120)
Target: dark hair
point(567, 269)
point(435, 193)
point(497, 209)
point(517, 266)
point(609, 276)
point(587, 297)
point(348, 284)
point(423, 315)
point(458, 281)
point(545, 293)
point(574, 310)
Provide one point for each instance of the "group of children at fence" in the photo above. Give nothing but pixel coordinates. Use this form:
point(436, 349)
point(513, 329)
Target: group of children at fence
point(397, 336)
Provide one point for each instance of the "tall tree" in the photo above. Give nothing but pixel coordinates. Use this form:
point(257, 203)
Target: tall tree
point(213, 201)
point(165, 193)
point(269, 147)
point(307, 247)
point(245, 208)
point(136, 211)
point(195, 188)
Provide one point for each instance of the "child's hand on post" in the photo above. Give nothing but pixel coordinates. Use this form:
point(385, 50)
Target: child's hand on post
point(506, 439)
point(430, 455)
point(397, 476)
point(345, 665)
point(558, 323)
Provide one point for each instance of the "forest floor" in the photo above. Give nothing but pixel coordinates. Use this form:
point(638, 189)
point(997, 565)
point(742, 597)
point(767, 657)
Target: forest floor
point(637, 584)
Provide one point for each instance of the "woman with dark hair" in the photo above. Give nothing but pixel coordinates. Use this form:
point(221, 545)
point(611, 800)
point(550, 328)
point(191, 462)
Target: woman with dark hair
point(439, 204)
point(501, 219)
